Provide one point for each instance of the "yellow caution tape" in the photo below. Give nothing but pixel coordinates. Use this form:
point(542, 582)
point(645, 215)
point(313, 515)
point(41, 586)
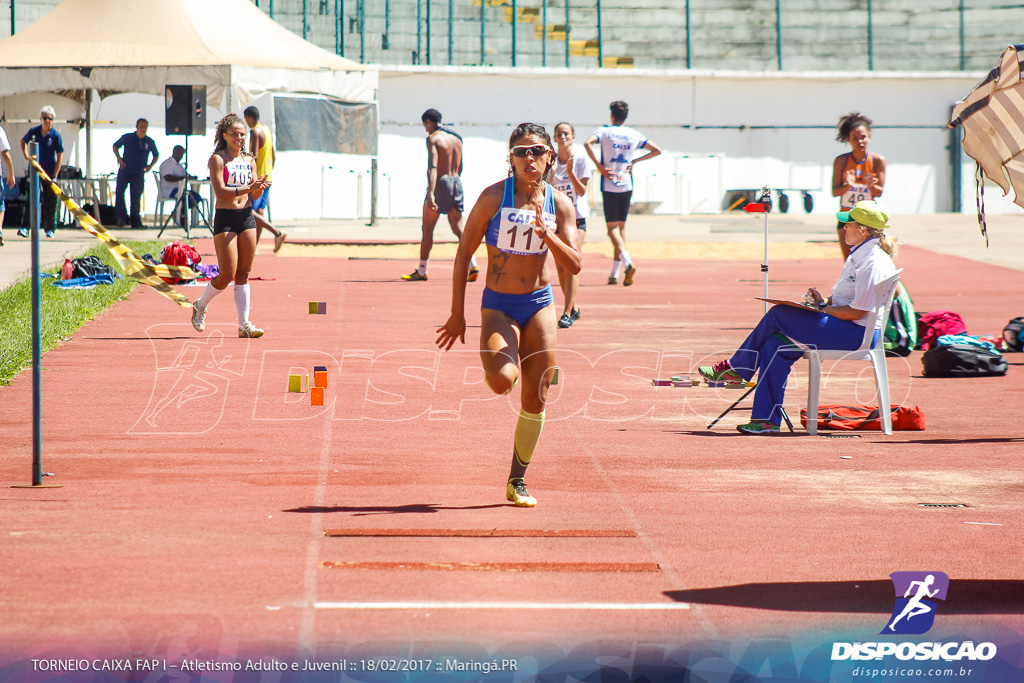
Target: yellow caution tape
point(131, 264)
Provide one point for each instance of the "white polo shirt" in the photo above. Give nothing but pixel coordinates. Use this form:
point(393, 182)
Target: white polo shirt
point(866, 266)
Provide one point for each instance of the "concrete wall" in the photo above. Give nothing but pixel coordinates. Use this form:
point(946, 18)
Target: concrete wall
point(720, 131)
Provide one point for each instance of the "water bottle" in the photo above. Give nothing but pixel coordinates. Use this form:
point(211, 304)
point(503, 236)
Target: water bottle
point(67, 271)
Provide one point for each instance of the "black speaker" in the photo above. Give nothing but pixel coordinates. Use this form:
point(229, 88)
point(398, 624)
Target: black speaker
point(186, 110)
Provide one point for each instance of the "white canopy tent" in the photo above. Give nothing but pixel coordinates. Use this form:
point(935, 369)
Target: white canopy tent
point(128, 46)
point(229, 46)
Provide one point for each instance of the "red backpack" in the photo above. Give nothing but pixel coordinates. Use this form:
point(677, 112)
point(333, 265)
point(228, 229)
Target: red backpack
point(179, 254)
point(931, 326)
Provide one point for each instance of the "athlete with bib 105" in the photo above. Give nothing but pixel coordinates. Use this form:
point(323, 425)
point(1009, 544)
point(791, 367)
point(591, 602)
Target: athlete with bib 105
point(522, 218)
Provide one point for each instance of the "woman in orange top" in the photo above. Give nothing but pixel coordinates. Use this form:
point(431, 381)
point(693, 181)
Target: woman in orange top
point(857, 175)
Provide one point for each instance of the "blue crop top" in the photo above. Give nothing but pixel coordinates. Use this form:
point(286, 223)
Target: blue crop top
point(511, 229)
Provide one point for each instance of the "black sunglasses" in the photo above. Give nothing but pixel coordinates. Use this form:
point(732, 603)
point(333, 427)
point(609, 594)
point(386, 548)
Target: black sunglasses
point(534, 150)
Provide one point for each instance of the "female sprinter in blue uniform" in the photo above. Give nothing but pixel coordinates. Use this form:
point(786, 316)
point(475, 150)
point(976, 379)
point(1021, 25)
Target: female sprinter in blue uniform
point(522, 218)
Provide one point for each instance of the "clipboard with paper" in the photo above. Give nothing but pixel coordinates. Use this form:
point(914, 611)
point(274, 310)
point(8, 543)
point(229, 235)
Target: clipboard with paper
point(786, 302)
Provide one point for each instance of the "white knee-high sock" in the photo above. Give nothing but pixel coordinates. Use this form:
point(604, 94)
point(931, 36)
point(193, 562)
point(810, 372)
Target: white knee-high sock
point(626, 260)
point(207, 296)
point(616, 266)
point(242, 303)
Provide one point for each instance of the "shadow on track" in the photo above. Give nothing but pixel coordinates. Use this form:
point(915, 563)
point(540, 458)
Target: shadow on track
point(966, 596)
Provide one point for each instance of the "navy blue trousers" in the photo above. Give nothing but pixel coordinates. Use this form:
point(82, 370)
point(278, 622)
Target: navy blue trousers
point(761, 353)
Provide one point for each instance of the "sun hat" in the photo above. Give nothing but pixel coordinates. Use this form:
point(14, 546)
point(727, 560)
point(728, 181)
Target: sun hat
point(867, 213)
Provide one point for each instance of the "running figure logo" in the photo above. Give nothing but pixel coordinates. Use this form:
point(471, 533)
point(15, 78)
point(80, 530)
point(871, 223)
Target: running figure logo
point(914, 612)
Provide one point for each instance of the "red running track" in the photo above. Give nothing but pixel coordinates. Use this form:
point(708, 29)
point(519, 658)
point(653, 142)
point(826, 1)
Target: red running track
point(197, 491)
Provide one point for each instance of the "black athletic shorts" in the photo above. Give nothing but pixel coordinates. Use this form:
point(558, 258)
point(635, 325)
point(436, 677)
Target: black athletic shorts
point(233, 220)
point(616, 206)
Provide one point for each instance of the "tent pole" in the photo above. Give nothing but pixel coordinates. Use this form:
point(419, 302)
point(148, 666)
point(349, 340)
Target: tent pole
point(88, 132)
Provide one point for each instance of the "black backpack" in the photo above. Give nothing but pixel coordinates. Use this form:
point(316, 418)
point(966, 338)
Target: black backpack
point(90, 265)
point(1013, 334)
point(962, 360)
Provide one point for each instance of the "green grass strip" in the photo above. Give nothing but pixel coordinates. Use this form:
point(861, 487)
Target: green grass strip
point(63, 310)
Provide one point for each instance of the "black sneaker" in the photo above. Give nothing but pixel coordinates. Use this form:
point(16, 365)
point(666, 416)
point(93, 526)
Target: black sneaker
point(575, 315)
point(565, 321)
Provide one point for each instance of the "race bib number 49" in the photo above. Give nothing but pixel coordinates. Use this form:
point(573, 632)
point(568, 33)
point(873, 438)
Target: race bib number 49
point(516, 234)
point(856, 193)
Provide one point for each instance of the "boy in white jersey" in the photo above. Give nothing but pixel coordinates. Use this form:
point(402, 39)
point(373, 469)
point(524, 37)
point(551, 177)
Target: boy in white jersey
point(619, 147)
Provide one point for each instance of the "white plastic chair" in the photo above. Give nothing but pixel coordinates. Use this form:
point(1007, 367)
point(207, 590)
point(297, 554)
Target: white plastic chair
point(870, 350)
point(161, 199)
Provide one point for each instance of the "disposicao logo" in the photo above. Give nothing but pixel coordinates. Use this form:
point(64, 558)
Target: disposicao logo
point(917, 594)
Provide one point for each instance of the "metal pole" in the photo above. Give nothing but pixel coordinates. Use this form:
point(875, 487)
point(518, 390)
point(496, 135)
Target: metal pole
point(778, 31)
point(337, 29)
point(341, 25)
point(544, 33)
point(428, 32)
point(12, 17)
point(361, 18)
point(515, 11)
point(387, 24)
point(419, 31)
point(270, 9)
point(373, 191)
point(600, 47)
point(567, 32)
point(963, 54)
point(688, 63)
point(955, 164)
point(450, 31)
point(483, 6)
point(37, 350)
point(305, 23)
point(871, 47)
point(88, 134)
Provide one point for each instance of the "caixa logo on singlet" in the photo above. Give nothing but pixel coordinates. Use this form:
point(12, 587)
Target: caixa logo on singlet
point(917, 596)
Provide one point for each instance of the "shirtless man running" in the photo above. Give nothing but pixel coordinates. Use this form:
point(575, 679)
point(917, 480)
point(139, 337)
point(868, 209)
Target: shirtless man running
point(444, 190)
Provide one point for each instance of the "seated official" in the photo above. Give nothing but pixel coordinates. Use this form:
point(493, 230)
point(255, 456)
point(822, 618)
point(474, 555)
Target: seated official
point(171, 175)
point(837, 324)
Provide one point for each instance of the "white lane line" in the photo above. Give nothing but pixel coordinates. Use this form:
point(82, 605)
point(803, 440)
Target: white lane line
point(608, 606)
point(984, 523)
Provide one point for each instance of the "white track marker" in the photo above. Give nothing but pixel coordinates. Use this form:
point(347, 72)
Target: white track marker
point(607, 606)
point(984, 523)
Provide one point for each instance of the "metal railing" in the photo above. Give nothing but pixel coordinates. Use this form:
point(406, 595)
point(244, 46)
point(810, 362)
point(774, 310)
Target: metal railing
point(902, 35)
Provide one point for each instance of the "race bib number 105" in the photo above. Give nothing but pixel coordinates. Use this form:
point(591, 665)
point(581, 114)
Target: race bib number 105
point(516, 233)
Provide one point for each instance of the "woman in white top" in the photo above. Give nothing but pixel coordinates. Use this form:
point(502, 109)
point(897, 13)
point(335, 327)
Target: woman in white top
point(570, 177)
point(833, 323)
point(235, 184)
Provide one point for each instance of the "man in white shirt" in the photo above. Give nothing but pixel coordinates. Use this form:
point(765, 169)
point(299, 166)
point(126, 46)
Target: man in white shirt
point(171, 174)
point(5, 154)
point(619, 147)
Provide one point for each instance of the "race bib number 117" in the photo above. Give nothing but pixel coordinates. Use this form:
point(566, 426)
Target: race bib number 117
point(516, 232)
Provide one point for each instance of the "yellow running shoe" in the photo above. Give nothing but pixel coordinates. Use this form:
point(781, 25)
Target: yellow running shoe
point(516, 492)
point(414, 276)
point(474, 273)
point(630, 273)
